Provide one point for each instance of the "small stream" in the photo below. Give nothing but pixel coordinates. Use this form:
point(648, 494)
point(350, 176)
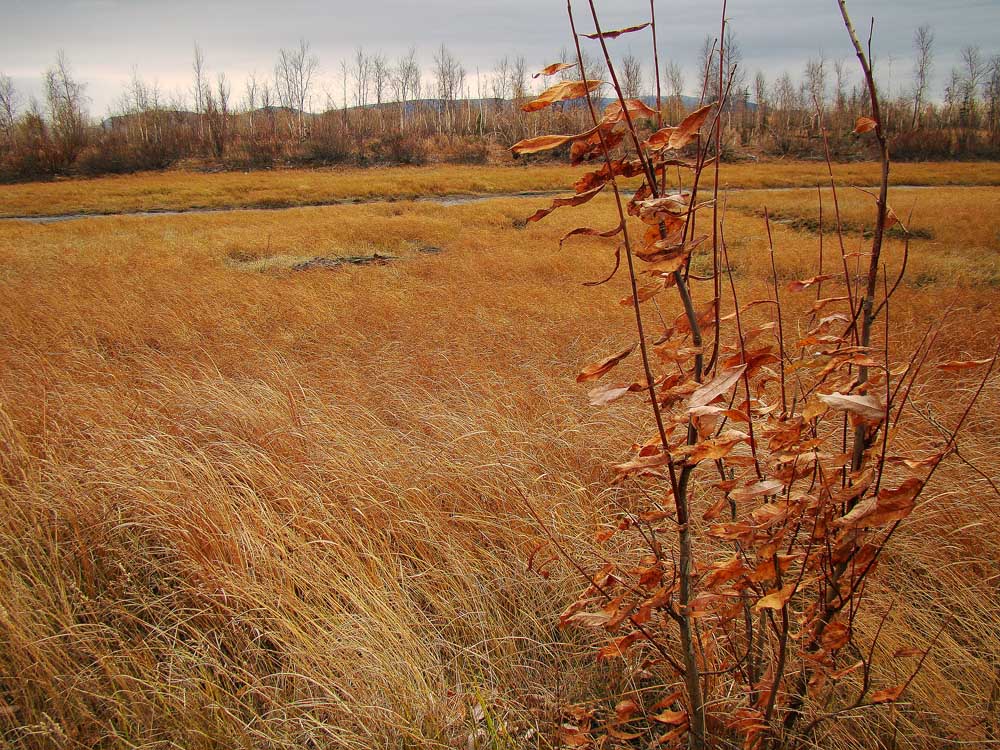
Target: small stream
point(458, 199)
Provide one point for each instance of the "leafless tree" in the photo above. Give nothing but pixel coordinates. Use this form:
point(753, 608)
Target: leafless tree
point(217, 111)
point(708, 65)
point(267, 105)
point(631, 75)
point(380, 77)
point(405, 81)
point(361, 74)
point(449, 78)
point(953, 95)
point(815, 80)
point(787, 101)
point(973, 72)
point(66, 107)
point(761, 100)
point(293, 78)
point(8, 106)
point(993, 98)
point(674, 75)
point(840, 77)
point(200, 87)
point(251, 90)
point(923, 45)
point(519, 79)
point(500, 82)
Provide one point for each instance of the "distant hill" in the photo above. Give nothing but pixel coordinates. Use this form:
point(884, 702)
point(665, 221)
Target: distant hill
point(120, 121)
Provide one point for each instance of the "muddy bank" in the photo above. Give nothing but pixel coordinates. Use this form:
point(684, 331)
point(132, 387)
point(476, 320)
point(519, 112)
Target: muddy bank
point(441, 200)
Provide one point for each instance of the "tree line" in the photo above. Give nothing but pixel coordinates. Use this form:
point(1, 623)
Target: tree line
point(396, 111)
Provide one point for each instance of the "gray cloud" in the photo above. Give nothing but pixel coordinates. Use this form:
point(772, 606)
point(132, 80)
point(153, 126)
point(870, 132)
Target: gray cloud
point(104, 39)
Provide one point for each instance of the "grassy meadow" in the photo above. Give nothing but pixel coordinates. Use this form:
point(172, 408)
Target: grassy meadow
point(179, 189)
point(244, 506)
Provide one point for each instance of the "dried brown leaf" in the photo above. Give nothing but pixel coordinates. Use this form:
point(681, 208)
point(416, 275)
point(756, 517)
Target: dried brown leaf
point(597, 369)
point(888, 695)
point(561, 92)
point(573, 200)
point(605, 394)
point(719, 385)
point(864, 125)
point(689, 127)
point(776, 599)
point(867, 406)
point(957, 365)
point(617, 32)
point(551, 70)
point(890, 506)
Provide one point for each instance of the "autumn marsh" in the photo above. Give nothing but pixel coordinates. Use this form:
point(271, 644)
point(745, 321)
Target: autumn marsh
point(243, 505)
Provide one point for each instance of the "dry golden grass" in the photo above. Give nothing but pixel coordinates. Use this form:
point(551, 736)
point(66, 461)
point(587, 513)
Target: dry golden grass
point(955, 232)
point(275, 509)
point(175, 190)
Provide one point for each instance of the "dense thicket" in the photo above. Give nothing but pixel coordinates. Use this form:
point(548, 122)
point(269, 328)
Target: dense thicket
point(396, 112)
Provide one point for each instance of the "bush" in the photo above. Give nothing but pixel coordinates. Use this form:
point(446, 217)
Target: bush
point(398, 148)
point(921, 145)
point(458, 150)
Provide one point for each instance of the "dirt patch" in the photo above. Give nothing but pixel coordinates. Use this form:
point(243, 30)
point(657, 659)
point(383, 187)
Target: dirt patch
point(264, 261)
point(376, 259)
point(811, 225)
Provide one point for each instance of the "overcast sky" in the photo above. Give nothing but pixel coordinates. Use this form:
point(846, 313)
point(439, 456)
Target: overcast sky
point(105, 39)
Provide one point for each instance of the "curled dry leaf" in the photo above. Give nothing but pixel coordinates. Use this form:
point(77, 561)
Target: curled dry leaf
point(643, 464)
point(889, 695)
point(678, 137)
point(547, 142)
point(605, 394)
point(689, 127)
point(821, 303)
point(920, 464)
point(768, 570)
point(891, 220)
point(618, 260)
point(617, 32)
point(590, 232)
point(588, 619)
point(864, 125)
point(588, 148)
point(723, 572)
point(866, 407)
point(613, 113)
point(673, 718)
point(660, 138)
point(836, 636)
point(619, 646)
point(799, 285)
point(768, 487)
point(596, 370)
point(618, 167)
point(715, 448)
point(776, 599)
point(644, 293)
point(720, 384)
point(573, 200)
point(551, 70)
point(561, 92)
point(890, 506)
point(956, 365)
point(626, 709)
point(669, 249)
point(653, 208)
